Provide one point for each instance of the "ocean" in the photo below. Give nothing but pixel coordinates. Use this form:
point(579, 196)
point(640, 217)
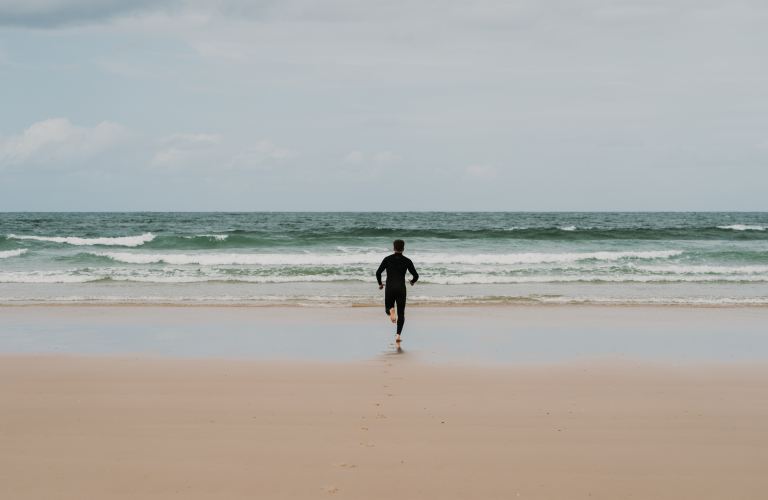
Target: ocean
point(327, 259)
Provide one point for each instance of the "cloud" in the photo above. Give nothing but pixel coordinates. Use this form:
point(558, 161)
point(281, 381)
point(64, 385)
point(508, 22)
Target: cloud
point(53, 13)
point(379, 158)
point(57, 142)
point(260, 154)
point(192, 140)
point(204, 150)
point(480, 171)
point(184, 149)
point(354, 157)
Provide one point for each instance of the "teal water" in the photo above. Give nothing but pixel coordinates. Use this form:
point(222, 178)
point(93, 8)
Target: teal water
point(330, 258)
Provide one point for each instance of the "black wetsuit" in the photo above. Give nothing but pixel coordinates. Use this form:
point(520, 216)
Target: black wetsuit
point(396, 265)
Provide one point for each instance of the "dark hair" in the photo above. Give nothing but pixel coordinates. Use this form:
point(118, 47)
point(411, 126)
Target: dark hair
point(399, 245)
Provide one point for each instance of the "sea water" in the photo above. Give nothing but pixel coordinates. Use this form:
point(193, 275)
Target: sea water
point(330, 258)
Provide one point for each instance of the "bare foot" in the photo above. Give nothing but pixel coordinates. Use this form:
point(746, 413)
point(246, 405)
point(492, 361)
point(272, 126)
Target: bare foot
point(397, 338)
point(393, 315)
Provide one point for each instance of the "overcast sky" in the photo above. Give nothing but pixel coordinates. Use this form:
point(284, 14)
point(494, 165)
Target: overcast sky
point(383, 105)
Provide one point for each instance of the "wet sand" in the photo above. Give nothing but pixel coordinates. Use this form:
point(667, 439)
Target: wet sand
point(465, 335)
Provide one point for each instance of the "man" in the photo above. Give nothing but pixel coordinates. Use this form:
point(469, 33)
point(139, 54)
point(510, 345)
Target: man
point(396, 265)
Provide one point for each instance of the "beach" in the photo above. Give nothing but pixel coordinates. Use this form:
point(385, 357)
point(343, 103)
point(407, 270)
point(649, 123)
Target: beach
point(369, 250)
point(107, 402)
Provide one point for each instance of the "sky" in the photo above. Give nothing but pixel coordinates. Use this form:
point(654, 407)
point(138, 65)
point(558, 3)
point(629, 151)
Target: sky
point(392, 105)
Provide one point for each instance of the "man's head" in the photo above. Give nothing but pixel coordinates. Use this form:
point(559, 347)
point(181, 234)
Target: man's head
point(399, 245)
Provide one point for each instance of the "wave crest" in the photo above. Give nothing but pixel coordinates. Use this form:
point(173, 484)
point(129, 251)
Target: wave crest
point(121, 241)
point(743, 227)
point(272, 259)
point(12, 253)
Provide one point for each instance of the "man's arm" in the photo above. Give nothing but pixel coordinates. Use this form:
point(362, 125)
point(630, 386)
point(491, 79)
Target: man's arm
point(413, 272)
point(380, 269)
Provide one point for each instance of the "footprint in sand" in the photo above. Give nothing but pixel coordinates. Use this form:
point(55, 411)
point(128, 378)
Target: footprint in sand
point(348, 466)
point(331, 490)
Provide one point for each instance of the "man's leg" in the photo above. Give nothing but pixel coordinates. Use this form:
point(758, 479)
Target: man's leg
point(400, 312)
point(389, 304)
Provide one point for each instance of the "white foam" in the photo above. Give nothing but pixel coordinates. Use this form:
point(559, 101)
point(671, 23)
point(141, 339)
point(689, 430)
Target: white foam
point(483, 279)
point(122, 241)
point(685, 301)
point(542, 258)
point(346, 300)
point(217, 237)
point(470, 279)
point(743, 227)
point(310, 259)
point(703, 269)
point(46, 277)
point(236, 279)
point(568, 228)
point(12, 253)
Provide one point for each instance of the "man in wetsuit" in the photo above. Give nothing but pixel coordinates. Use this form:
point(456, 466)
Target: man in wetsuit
point(396, 265)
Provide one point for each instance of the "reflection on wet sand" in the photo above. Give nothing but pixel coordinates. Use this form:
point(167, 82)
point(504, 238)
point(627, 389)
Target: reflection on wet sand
point(395, 349)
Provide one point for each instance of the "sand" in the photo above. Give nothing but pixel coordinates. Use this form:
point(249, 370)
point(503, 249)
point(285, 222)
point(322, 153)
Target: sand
point(75, 427)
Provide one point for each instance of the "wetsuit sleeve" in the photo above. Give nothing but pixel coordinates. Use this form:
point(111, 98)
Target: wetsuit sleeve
point(413, 272)
point(381, 269)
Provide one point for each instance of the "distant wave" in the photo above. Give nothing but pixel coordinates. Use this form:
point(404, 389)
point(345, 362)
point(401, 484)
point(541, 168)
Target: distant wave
point(743, 227)
point(217, 237)
point(12, 253)
point(122, 241)
point(261, 240)
point(303, 237)
point(272, 259)
point(554, 233)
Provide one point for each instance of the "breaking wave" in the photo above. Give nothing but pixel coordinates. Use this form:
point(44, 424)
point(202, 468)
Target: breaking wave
point(12, 253)
point(272, 259)
point(122, 241)
point(743, 227)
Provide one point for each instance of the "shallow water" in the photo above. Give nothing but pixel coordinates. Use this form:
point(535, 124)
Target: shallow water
point(486, 335)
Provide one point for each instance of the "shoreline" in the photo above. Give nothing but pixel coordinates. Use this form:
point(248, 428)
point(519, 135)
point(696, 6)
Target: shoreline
point(416, 305)
point(468, 334)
